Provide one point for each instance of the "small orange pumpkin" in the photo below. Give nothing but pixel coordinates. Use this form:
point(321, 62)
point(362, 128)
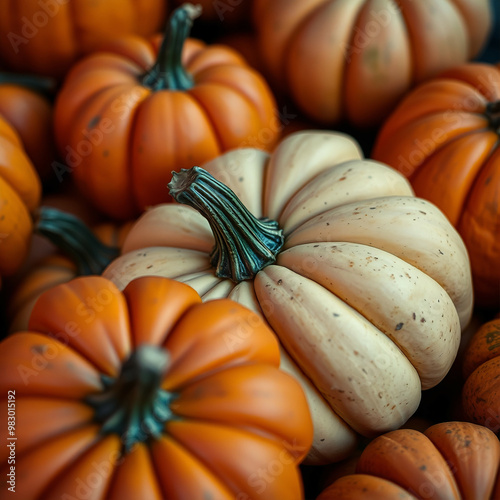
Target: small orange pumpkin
point(449, 460)
point(142, 389)
point(124, 122)
point(481, 369)
point(47, 36)
point(25, 102)
point(20, 192)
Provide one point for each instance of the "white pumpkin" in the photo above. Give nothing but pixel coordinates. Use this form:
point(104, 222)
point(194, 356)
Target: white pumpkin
point(368, 293)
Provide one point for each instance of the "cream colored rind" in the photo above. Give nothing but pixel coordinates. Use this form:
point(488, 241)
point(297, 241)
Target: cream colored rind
point(413, 229)
point(404, 303)
point(362, 374)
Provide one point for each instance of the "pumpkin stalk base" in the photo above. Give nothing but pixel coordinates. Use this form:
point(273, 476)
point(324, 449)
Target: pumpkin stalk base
point(133, 405)
point(244, 244)
point(70, 235)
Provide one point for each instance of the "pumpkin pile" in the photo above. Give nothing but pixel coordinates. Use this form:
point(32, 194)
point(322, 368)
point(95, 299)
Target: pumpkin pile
point(249, 249)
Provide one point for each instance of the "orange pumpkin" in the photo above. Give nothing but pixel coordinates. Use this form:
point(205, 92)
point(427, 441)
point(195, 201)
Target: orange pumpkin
point(47, 36)
point(444, 137)
point(25, 102)
point(448, 461)
point(20, 191)
point(75, 251)
point(138, 394)
point(481, 369)
point(354, 60)
point(124, 122)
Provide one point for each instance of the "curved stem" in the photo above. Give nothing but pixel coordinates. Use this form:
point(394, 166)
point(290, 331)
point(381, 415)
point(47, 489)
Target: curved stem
point(133, 405)
point(168, 71)
point(243, 244)
point(41, 84)
point(70, 235)
point(493, 115)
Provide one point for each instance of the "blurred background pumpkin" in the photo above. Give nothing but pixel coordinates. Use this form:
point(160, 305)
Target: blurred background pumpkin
point(47, 36)
point(352, 61)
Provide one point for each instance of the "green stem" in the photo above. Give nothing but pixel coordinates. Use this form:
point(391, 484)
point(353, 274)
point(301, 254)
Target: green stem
point(493, 115)
point(41, 84)
point(133, 405)
point(168, 71)
point(243, 244)
point(70, 235)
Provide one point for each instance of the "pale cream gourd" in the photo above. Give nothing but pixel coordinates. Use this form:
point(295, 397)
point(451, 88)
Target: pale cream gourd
point(368, 294)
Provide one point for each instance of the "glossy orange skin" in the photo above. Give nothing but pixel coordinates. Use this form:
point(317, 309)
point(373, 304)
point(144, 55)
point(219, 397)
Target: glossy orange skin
point(236, 412)
point(354, 60)
point(30, 113)
point(20, 191)
point(50, 270)
point(122, 140)
point(481, 369)
point(46, 37)
point(448, 461)
point(440, 138)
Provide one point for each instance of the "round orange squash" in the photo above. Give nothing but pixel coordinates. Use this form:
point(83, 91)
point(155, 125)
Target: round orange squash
point(481, 369)
point(445, 136)
point(26, 103)
point(448, 461)
point(353, 60)
point(124, 122)
point(20, 192)
point(47, 36)
point(137, 394)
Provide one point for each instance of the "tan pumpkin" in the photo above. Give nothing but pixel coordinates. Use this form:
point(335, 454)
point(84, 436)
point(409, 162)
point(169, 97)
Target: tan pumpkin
point(353, 60)
point(366, 286)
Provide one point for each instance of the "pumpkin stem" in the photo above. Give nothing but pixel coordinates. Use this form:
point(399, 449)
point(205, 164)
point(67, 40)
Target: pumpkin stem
point(243, 244)
point(70, 235)
point(168, 71)
point(493, 114)
point(42, 84)
point(133, 405)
